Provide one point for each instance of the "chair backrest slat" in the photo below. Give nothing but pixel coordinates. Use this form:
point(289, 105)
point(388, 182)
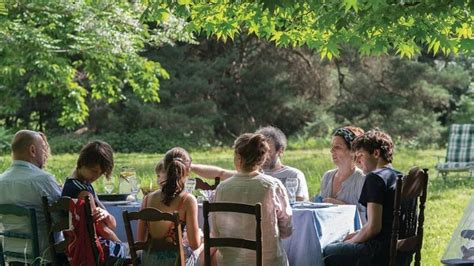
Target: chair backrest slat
point(152, 215)
point(232, 242)
point(31, 233)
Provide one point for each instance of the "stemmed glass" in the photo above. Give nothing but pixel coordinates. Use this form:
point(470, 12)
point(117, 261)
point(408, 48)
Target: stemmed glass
point(291, 185)
point(109, 185)
point(134, 186)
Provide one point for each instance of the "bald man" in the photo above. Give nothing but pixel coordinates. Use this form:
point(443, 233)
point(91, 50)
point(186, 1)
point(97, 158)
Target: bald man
point(24, 182)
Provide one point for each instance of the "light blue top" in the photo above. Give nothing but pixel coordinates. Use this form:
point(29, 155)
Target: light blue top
point(24, 184)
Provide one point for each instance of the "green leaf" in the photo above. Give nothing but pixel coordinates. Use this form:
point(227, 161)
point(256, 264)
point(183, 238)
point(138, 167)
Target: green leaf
point(350, 4)
point(184, 2)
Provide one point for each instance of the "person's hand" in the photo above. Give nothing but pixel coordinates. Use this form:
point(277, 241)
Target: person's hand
point(100, 214)
point(349, 237)
point(330, 200)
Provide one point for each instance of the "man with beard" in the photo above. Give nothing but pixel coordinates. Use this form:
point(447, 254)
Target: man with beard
point(272, 166)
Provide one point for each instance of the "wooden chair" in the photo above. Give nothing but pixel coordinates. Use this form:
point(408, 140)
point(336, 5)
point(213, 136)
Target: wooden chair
point(232, 242)
point(408, 217)
point(200, 184)
point(10, 215)
point(60, 211)
point(152, 215)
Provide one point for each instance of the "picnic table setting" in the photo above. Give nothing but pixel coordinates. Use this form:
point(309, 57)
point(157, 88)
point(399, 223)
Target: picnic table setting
point(315, 224)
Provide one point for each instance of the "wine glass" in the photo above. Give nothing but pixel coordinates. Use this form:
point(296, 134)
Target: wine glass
point(109, 185)
point(190, 185)
point(291, 185)
point(134, 186)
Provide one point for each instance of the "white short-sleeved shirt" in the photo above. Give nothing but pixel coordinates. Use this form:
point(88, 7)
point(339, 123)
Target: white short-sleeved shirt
point(276, 219)
point(288, 171)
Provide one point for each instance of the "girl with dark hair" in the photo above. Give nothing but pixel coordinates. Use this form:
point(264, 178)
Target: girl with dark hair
point(250, 186)
point(95, 160)
point(172, 173)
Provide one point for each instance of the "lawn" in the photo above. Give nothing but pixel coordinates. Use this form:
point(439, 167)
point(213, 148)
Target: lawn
point(446, 198)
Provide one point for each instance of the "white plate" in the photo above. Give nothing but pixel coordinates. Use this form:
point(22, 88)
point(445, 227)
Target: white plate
point(120, 202)
point(312, 205)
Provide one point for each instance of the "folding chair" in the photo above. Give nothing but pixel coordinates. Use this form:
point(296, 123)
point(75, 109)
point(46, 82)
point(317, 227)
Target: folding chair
point(60, 222)
point(232, 242)
point(408, 217)
point(460, 152)
point(153, 215)
point(200, 184)
point(18, 238)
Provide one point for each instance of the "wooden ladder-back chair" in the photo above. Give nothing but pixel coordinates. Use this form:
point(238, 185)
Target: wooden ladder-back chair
point(200, 184)
point(408, 217)
point(153, 215)
point(232, 242)
point(57, 220)
point(10, 215)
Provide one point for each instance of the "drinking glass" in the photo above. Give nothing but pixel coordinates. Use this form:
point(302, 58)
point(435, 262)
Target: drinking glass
point(291, 185)
point(126, 173)
point(190, 185)
point(134, 186)
point(109, 185)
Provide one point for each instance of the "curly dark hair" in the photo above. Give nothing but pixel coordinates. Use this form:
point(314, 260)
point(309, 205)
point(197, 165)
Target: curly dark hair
point(375, 139)
point(176, 163)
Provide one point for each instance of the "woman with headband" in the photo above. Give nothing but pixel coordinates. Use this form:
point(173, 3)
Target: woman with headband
point(343, 184)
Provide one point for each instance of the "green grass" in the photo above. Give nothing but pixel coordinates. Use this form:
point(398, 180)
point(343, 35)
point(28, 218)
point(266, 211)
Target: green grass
point(445, 204)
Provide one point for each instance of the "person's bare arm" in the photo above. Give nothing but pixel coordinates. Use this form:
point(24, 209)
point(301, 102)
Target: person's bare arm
point(334, 201)
point(99, 214)
point(211, 171)
point(372, 227)
point(193, 231)
point(105, 223)
point(141, 226)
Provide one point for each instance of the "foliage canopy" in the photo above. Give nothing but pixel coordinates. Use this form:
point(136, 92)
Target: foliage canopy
point(374, 27)
point(75, 52)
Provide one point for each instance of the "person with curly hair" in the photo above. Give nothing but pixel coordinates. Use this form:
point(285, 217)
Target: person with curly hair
point(371, 244)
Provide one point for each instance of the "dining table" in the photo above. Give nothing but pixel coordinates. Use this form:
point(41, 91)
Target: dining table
point(315, 225)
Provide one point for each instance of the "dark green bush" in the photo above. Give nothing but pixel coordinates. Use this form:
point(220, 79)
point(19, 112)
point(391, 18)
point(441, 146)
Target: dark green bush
point(146, 140)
